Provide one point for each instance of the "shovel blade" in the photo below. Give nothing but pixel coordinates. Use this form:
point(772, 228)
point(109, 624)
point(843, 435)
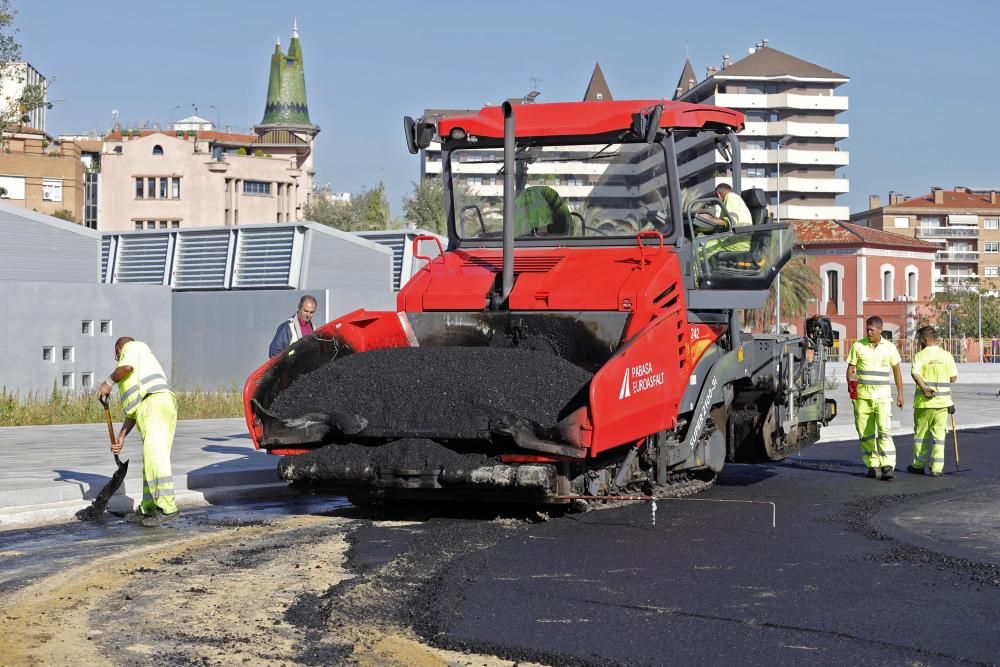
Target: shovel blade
point(100, 503)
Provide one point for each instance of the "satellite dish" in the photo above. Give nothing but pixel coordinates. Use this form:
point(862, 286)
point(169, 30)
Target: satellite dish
point(752, 50)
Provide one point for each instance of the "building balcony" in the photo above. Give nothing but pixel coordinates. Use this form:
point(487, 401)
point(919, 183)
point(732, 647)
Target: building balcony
point(218, 166)
point(794, 156)
point(806, 212)
point(965, 256)
point(797, 129)
point(780, 101)
point(798, 184)
point(947, 232)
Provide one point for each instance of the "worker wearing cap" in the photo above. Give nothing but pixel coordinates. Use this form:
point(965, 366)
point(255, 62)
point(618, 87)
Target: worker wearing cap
point(934, 371)
point(540, 211)
point(870, 362)
point(150, 404)
point(733, 213)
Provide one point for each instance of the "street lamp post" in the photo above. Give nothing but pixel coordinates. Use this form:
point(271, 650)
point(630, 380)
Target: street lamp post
point(172, 114)
point(217, 117)
point(782, 143)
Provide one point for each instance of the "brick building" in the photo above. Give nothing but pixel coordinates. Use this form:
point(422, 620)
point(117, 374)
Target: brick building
point(867, 272)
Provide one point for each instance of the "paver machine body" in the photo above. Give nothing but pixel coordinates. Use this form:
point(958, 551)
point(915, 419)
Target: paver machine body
point(619, 284)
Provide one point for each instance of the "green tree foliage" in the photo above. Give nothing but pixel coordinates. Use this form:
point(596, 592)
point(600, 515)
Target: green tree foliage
point(799, 284)
point(964, 302)
point(367, 211)
point(14, 114)
point(425, 209)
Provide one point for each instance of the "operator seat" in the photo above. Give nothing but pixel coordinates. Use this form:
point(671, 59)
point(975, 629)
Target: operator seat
point(752, 261)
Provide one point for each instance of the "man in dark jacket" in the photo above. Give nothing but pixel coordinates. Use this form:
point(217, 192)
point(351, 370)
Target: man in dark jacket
point(295, 327)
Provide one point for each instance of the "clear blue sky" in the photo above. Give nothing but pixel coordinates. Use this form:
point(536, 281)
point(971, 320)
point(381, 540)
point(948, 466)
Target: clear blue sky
point(923, 91)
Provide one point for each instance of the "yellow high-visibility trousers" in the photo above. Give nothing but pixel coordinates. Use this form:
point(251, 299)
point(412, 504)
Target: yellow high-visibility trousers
point(873, 421)
point(930, 428)
point(156, 418)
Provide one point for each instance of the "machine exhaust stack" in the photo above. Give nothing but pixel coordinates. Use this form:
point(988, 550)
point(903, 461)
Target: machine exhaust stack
point(508, 198)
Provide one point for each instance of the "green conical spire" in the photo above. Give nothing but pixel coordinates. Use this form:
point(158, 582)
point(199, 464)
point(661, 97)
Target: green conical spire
point(286, 89)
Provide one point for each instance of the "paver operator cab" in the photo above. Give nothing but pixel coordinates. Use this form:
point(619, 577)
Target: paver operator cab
point(578, 344)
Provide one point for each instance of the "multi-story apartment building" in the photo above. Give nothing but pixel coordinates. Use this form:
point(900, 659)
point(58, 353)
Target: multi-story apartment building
point(17, 78)
point(962, 222)
point(41, 174)
point(791, 108)
point(193, 175)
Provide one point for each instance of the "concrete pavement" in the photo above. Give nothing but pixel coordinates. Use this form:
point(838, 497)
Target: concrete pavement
point(47, 473)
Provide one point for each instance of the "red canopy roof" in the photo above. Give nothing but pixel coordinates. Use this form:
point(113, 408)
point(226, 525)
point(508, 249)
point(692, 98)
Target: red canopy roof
point(587, 118)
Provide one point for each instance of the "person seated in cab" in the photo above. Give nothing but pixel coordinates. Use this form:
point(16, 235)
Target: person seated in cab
point(729, 217)
point(540, 211)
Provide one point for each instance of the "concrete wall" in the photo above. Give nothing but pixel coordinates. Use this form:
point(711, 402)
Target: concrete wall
point(39, 247)
point(360, 276)
point(39, 315)
point(219, 338)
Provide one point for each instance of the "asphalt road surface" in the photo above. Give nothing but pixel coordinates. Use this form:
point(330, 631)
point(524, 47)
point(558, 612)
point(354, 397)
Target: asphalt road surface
point(854, 571)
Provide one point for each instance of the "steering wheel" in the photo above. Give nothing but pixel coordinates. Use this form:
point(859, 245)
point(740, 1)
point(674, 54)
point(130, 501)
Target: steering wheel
point(705, 225)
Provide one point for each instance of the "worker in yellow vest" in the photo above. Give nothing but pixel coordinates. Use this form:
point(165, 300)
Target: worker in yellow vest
point(934, 371)
point(148, 403)
point(869, 364)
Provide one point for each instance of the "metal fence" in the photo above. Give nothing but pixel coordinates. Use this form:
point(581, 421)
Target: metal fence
point(965, 350)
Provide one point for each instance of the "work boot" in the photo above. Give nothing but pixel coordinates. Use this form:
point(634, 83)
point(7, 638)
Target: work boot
point(887, 473)
point(135, 517)
point(159, 519)
point(872, 473)
point(913, 470)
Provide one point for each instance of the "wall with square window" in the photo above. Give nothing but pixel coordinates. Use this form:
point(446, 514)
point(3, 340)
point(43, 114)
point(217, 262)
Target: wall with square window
point(66, 381)
point(104, 328)
point(49, 353)
point(68, 353)
point(86, 380)
point(87, 327)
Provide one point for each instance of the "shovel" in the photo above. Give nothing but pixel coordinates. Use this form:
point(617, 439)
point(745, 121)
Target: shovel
point(100, 503)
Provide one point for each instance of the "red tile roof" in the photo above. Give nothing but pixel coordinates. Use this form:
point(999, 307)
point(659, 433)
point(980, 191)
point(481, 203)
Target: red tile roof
point(830, 233)
point(224, 137)
point(952, 199)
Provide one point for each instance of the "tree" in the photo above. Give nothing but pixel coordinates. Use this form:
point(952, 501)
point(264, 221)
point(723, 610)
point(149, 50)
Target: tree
point(368, 210)
point(963, 301)
point(799, 285)
point(15, 112)
point(424, 208)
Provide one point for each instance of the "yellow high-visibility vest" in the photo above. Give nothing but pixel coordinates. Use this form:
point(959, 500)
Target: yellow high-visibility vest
point(936, 367)
point(873, 364)
point(147, 376)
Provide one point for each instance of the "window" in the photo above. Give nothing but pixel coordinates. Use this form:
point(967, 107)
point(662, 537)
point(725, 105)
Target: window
point(175, 224)
point(138, 224)
point(901, 222)
point(157, 149)
point(992, 271)
point(832, 287)
point(87, 380)
point(151, 224)
point(138, 188)
point(256, 187)
point(105, 327)
point(887, 285)
point(175, 187)
point(911, 284)
point(52, 189)
point(163, 224)
point(991, 223)
point(48, 353)
point(163, 188)
point(991, 246)
point(87, 327)
point(68, 353)
point(67, 380)
point(151, 188)
point(14, 185)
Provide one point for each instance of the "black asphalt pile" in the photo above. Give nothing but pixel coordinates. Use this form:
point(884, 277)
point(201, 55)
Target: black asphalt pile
point(353, 461)
point(438, 391)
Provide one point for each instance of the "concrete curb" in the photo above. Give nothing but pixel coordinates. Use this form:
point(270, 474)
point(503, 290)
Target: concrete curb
point(28, 516)
point(846, 432)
